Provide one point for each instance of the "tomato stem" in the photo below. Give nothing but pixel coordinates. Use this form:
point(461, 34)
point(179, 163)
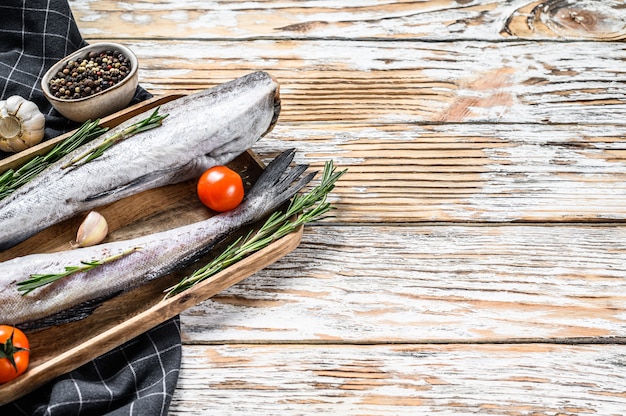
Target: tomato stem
point(8, 350)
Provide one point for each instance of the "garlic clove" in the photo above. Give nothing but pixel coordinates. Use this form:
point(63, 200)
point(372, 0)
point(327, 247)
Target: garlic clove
point(14, 144)
point(21, 124)
point(92, 231)
point(28, 112)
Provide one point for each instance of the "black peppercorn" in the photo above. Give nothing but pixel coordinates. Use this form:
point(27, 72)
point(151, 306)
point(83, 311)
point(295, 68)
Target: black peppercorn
point(89, 75)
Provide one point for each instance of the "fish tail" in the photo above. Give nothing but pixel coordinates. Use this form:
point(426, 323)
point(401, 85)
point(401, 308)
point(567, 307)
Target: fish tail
point(274, 171)
point(297, 186)
point(277, 184)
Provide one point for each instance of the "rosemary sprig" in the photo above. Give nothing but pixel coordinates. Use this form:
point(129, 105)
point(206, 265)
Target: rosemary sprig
point(303, 208)
point(12, 179)
point(38, 280)
point(154, 120)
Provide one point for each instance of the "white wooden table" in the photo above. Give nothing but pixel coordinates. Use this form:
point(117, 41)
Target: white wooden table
point(476, 263)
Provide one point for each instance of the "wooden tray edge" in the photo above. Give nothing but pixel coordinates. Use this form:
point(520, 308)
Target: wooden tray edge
point(146, 320)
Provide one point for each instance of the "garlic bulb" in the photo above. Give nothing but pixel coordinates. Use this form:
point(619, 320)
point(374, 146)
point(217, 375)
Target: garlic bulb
point(21, 124)
point(92, 231)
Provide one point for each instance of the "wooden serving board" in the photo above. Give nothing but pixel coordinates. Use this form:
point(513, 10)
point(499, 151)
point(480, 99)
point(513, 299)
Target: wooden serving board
point(59, 349)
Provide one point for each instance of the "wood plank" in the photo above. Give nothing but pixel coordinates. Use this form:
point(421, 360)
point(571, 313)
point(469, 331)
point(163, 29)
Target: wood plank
point(445, 112)
point(428, 283)
point(401, 379)
point(407, 82)
point(570, 19)
point(472, 172)
point(442, 19)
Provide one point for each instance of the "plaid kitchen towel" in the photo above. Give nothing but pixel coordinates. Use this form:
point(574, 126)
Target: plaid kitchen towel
point(139, 377)
point(35, 34)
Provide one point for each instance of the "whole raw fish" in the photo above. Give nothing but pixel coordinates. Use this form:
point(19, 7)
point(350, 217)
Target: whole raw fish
point(156, 255)
point(202, 130)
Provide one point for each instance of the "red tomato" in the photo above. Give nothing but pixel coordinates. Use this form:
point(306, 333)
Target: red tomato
point(220, 189)
point(14, 353)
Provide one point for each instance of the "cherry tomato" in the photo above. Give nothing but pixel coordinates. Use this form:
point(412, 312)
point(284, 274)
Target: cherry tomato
point(14, 353)
point(220, 189)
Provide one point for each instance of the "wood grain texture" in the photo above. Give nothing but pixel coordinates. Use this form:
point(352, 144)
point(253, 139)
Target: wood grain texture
point(407, 82)
point(475, 263)
point(569, 19)
point(526, 379)
point(458, 173)
point(288, 19)
point(424, 20)
point(428, 283)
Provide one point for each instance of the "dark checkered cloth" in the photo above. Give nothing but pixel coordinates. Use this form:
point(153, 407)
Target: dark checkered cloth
point(139, 377)
point(33, 36)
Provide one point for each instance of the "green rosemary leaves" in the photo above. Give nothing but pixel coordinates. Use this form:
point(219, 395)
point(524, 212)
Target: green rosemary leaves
point(154, 120)
point(304, 208)
point(12, 179)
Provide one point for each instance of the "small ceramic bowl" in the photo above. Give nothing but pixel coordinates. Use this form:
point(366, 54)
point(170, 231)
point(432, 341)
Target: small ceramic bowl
point(100, 104)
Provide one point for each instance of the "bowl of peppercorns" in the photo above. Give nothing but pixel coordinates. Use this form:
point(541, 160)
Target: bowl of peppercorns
point(92, 82)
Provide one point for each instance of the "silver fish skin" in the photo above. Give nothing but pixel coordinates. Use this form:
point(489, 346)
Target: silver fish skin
point(205, 129)
point(158, 254)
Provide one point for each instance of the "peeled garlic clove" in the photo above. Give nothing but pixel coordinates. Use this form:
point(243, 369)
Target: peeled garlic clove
point(21, 124)
point(92, 231)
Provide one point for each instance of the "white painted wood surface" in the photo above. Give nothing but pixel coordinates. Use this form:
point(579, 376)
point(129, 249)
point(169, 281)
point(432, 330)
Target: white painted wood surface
point(386, 81)
point(428, 283)
point(476, 262)
point(527, 379)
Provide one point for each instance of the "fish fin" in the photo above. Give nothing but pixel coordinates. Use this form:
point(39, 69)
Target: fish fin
point(75, 313)
point(151, 180)
point(116, 191)
point(129, 188)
